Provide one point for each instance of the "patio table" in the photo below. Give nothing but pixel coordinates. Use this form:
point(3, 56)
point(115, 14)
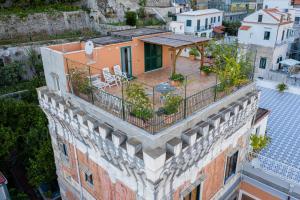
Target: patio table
point(164, 88)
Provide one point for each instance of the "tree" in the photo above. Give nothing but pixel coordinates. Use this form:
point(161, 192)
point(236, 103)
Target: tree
point(131, 18)
point(231, 28)
point(34, 62)
point(11, 73)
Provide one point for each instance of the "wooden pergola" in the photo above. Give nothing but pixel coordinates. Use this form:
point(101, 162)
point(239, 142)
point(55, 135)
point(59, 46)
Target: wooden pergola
point(177, 43)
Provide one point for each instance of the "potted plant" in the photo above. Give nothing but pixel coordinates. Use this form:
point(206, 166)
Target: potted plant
point(281, 87)
point(81, 83)
point(205, 70)
point(176, 79)
point(140, 103)
point(170, 108)
point(258, 142)
point(193, 53)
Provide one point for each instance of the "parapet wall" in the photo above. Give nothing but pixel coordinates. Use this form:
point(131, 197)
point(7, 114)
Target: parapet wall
point(150, 166)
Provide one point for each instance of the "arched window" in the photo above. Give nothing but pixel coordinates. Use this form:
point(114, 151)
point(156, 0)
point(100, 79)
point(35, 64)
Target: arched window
point(55, 79)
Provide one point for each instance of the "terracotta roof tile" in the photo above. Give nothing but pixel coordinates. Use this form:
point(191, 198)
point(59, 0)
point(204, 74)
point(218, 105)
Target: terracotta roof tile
point(245, 28)
point(2, 179)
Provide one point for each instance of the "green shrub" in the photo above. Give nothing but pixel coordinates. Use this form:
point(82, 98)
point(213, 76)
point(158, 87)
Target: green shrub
point(194, 52)
point(141, 105)
point(258, 142)
point(177, 77)
point(131, 18)
point(281, 87)
point(171, 104)
point(206, 69)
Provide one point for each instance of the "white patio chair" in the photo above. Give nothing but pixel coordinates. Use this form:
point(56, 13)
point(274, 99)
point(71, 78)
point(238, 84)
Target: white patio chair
point(96, 82)
point(110, 79)
point(120, 75)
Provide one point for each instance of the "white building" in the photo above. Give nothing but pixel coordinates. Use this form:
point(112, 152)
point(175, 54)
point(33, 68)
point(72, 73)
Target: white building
point(181, 5)
point(200, 22)
point(268, 33)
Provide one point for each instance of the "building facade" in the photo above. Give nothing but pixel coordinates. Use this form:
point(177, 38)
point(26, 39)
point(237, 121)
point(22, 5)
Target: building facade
point(199, 23)
point(268, 33)
point(104, 152)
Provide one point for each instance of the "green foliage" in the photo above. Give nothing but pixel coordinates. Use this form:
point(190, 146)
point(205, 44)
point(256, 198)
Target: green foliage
point(232, 28)
point(206, 69)
point(18, 195)
point(131, 18)
point(177, 77)
point(11, 73)
point(80, 81)
point(151, 21)
point(24, 8)
point(232, 68)
point(142, 3)
point(171, 104)
point(34, 62)
point(258, 142)
point(281, 87)
point(141, 13)
point(193, 51)
point(141, 105)
point(24, 134)
point(39, 169)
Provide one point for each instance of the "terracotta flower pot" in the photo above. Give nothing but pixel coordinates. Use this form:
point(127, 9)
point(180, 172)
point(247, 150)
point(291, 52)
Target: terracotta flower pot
point(203, 73)
point(175, 83)
point(192, 57)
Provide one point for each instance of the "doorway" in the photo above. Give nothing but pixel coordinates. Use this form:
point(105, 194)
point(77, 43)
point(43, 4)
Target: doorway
point(153, 56)
point(195, 194)
point(126, 60)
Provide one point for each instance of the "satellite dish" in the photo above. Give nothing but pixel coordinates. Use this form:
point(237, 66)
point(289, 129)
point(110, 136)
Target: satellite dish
point(89, 47)
point(6, 53)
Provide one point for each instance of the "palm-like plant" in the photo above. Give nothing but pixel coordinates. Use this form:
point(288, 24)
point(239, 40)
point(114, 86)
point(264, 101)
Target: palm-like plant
point(258, 142)
point(281, 87)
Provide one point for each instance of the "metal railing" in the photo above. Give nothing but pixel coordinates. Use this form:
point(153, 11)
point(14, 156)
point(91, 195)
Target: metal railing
point(115, 100)
point(273, 167)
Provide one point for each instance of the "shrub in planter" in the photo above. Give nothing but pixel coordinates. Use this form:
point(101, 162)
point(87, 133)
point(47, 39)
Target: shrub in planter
point(141, 105)
point(281, 87)
point(258, 142)
point(205, 70)
point(176, 79)
point(194, 53)
point(171, 104)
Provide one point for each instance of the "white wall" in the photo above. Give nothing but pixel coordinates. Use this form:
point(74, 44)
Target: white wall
point(193, 28)
point(176, 27)
point(281, 4)
point(53, 62)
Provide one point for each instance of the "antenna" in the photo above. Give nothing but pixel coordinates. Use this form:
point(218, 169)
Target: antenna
point(89, 48)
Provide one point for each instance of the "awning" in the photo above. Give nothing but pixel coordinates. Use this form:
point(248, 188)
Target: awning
point(175, 40)
point(290, 62)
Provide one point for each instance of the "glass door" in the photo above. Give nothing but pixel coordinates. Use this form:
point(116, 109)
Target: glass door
point(153, 56)
point(126, 60)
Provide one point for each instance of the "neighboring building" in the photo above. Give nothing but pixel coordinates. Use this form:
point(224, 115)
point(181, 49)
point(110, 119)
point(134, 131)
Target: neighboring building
point(181, 6)
point(234, 10)
point(268, 33)
point(102, 151)
point(202, 23)
point(4, 195)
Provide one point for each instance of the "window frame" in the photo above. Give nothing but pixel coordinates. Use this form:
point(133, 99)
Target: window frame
point(260, 61)
point(88, 177)
point(229, 174)
point(268, 35)
point(188, 22)
point(260, 18)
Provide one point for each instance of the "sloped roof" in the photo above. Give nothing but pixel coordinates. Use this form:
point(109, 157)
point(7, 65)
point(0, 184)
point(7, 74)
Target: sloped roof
point(2, 179)
point(276, 14)
point(200, 12)
point(245, 28)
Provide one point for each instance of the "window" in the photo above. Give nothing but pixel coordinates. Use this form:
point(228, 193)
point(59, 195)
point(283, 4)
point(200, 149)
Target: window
point(219, 18)
point(194, 194)
point(63, 148)
point(211, 20)
point(89, 178)
point(55, 79)
point(188, 22)
point(297, 20)
point(215, 19)
point(263, 63)
point(260, 18)
point(231, 166)
point(257, 130)
point(267, 35)
point(282, 37)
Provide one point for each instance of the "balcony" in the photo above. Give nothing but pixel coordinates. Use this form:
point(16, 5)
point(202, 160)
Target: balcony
point(194, 93)
point(202, 28)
